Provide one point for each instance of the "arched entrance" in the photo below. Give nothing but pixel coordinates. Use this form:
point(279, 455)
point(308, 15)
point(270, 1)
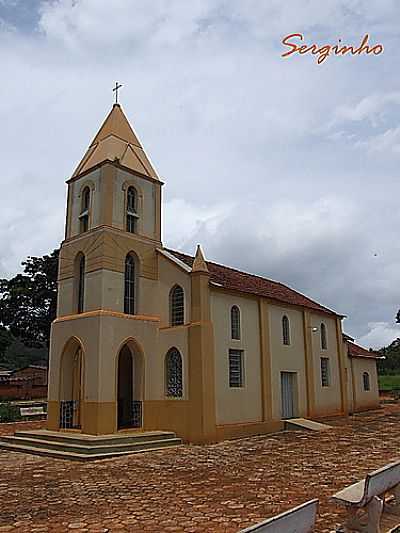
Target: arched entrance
point(71, 386)
point(129, 387)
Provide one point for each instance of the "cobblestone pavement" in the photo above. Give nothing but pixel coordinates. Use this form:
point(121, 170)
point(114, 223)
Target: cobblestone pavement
point(218, 488)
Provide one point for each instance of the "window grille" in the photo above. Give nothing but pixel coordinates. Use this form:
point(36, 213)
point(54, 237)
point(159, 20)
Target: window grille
point(285, 330)
point(324, 344)
point(173, 372)
point(129, 298)
point(81, 284)
point(325, 374)
point(235, 323)
point(366, 382)
point(177, 306)
point(131, 210)
point(236, 368)
point(84, 216)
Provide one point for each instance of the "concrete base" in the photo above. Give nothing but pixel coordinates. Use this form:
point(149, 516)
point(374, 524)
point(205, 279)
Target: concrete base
point(82, 447)
point(303, 423)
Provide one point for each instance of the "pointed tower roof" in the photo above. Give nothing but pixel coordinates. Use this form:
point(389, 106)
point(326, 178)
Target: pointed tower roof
point(116, 141)
point(199, 263)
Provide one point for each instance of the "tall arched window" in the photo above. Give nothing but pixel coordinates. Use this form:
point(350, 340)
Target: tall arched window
point(81, 283)
point(235, 322)
point(285, 330)
point(131, 210)
point(324, 343)
point(85, 205)
point(177, 306)
point(173, 374)
point(366, 382)
point(129, 298)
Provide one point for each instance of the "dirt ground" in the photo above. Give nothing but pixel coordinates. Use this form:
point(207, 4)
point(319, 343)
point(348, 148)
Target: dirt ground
point(218, 488)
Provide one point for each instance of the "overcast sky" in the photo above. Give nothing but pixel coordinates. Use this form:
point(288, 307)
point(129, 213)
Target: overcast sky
point(281, 167)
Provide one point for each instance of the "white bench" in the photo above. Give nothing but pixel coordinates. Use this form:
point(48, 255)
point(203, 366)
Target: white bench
point(368, 496)
point(32, 411)
point(300, 519)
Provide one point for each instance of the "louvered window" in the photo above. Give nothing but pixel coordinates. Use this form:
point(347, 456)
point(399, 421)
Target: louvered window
point(325, 372)
point(81, 284)
point(129, 299)
point(173, 373)
point(84, 216)
point(235, 323)
point(324, 343)
point(177, 306)
point(285, 330)
point(131, 210)
point(236, 368)
point(366, 382)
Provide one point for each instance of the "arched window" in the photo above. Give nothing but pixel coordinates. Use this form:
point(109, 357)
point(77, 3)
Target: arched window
point(131, 210)
point(324, 343)
point(129, 298)
point(81, 283)
point(173, 374)
point(85, 205)
point(366, 382)
point(235, 322)
point(177, 306)
point(285, 330)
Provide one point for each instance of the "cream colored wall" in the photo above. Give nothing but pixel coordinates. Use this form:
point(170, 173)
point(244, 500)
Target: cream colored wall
point(287, 358)
point(65, 297)
point(242, 404)
point(365, 399)
point(169, 275)
point(349, 379)
point(146, 203)
point(327, 399)
point(92, 180)
point(87, 331)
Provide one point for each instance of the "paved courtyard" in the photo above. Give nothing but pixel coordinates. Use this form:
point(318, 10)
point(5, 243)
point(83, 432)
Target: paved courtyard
point(219, 488)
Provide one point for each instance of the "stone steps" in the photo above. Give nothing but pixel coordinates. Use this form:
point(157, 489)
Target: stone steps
point(81, 447)
point(304, 423)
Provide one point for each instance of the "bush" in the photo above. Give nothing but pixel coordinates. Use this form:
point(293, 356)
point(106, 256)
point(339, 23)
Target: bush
point(9, 413)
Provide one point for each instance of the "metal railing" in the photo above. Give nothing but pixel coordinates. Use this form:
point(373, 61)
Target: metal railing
point(70, 414)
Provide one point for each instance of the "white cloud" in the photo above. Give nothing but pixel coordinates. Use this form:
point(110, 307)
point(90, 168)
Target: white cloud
point(380, 334)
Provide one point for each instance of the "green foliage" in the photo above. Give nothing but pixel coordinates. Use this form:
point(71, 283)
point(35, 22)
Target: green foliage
point(9, 413)
point(5, 341)
point(389, 382)
point(28, 301)
point(391, 363)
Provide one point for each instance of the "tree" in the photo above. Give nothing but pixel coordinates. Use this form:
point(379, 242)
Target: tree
point(28, 301)
point(5, 341)
point(391, 363)
point(398, 317)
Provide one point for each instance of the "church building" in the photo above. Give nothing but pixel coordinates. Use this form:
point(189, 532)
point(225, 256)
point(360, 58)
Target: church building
point(149, 338)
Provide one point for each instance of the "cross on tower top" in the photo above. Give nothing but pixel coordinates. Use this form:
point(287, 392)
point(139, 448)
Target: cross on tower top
point(117, 86)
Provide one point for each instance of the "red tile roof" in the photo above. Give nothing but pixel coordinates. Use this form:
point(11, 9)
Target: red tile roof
point(358, 351)
point(235, 280)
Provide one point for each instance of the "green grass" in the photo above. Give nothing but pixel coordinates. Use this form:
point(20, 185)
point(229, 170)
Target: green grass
point(389, 382)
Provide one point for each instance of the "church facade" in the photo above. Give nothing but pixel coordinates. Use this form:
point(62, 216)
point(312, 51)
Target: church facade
point(148, 338)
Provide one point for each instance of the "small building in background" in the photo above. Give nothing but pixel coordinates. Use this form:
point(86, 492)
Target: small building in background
point(362, 376)
point(26, 383)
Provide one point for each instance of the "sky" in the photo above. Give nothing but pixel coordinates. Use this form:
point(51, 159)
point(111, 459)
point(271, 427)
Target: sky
point(278, 166)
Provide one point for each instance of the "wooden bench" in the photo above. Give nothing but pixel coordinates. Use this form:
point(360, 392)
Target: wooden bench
point(32, 411)
point(300, 519)
point(365, 500)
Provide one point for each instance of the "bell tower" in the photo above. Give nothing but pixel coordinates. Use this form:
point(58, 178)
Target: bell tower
point(108, 269)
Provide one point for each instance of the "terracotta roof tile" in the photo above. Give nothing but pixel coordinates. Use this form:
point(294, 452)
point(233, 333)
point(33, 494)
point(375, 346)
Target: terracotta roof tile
point(232, 279)
point(358, 351)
